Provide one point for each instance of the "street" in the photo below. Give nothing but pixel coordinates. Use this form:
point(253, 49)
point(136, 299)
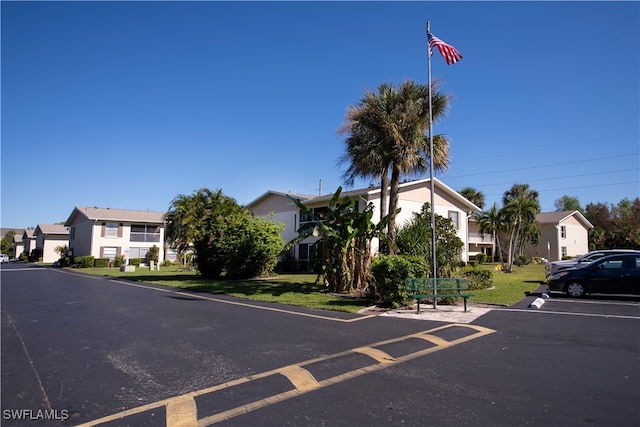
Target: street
point(88, 350)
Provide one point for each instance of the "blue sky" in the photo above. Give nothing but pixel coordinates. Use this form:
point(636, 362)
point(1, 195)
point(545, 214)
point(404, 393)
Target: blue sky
point(128, 104)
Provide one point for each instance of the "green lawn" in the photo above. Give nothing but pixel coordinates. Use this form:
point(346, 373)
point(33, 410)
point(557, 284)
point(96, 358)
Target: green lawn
point(301, 289)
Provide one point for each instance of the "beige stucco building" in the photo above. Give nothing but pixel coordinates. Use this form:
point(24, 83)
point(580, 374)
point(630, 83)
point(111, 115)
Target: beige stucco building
point(107, 233)
point(563, 234)
point(48, 237)
point(412, 196)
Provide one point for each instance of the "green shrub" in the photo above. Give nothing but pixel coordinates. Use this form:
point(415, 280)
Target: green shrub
point(101, 262)
point(118, 261)
point(167, 263)
point(23, 257)
point(153, 254)
point(390, 273)
point(522, 260)
point(481, 258)
point(479, 278)
point(84, 261)
point(135, 261)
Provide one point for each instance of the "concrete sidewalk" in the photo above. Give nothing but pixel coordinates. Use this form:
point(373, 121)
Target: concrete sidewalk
point(444, 313)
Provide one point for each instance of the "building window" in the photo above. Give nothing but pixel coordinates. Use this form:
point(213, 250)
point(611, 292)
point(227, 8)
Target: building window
point(111, 230)
point(145, 233)
point(139, 253)
point(454, 217)
point(563, 232)
point(109, 252)
point(563, 251)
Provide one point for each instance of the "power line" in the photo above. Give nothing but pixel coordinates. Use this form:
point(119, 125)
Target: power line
point(543, 166)
point(561, 177)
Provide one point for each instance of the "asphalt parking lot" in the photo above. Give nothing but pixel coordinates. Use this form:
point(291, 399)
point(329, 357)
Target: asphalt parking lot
point(97, 351)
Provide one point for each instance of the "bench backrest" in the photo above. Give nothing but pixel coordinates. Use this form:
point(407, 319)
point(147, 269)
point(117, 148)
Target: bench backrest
point(414, 284)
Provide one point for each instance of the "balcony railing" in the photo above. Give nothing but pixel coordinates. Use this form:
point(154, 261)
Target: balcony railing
point(480, 238)
point(145, 237)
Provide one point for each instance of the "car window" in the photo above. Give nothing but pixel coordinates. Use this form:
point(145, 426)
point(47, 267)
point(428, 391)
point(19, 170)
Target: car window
point(592, 257)
point(637, 261)
point(612, 264)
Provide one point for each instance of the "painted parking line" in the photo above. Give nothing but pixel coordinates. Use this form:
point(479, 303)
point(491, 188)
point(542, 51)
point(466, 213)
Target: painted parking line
point(183, 410)
point(568, 313)
point(173, 291)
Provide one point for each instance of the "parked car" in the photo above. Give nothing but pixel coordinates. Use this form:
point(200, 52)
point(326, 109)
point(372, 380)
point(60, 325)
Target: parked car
point(612, 274)
point(555, 266)
point(4, 258)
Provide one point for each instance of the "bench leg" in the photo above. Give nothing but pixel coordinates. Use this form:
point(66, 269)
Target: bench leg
point(418, 310)
point(465, 304)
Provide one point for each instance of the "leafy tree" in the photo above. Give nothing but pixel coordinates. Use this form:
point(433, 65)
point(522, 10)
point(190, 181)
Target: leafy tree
point(520, 207)
point(344, 244)
point(567, 203)
point(225, 236)
point(414, 238)
point(153, 254)
point(387, 133)
point(492, 221)
point(474, 196)
point(7, 243)
point(614, 226)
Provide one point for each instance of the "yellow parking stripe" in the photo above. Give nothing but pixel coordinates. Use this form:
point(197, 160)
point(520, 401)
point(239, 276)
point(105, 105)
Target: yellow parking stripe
point(433, 339)
point(301, 379)
point(182, 412)
point(379, 355)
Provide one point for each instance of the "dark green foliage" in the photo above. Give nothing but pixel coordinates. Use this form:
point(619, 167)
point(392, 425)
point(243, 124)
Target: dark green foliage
point(390, 272)
point(101, 262)
point(23, 257)
point(7, 243)
point(481, 258)
point(415, 239)
point(479, 278)
point(84, 261)
point(522, 260)
point(35, 255)
point(135, 261)
point(153, 253)
point(614, 226)
point(118, 261)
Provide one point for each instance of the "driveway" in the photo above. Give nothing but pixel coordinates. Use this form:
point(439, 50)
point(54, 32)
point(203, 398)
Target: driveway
point(83, 349)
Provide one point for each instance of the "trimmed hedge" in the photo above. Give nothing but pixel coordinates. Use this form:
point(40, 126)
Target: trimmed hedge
point(84, 261)
point(135, 261)
point(479, 278)
point(390, 272)
point(101, 262)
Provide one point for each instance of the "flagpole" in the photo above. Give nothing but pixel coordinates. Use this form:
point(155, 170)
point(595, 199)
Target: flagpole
point(431, 182)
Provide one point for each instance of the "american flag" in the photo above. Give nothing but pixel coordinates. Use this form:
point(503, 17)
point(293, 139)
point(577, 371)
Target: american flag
point(448, 52)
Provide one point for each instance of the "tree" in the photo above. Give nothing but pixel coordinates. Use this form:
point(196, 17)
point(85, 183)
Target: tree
point(7, 243)
point(387, 133)
point(492, 221)
point(414, 238)
point(474, 196)
point(614, 226)
point(344, 244)
point(567, 203)
point(520, 207)
point(225, 237)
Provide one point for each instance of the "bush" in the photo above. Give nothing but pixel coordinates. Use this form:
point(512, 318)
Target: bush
point(479, 278)
point(135, 261)
point(481, 258)
point(84, 261)
point(522, 260)
point(101, 262)
point(118, 261)
point(167, 263)
point(390, 273)
point(23, 257)
point(153, 254)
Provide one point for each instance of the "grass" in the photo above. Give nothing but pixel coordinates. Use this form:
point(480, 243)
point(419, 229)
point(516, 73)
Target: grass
point(301, 289)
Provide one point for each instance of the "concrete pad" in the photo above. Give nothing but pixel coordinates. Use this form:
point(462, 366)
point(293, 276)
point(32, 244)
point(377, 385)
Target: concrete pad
point(444, 313)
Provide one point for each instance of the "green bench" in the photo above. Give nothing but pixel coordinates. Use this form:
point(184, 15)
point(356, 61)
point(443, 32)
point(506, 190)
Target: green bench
point(423, 288)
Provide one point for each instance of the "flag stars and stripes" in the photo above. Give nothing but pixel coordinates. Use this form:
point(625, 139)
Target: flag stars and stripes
point(448, 52)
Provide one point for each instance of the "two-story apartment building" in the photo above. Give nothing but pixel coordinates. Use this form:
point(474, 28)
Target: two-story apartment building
point(412, 196)
point(562, 234)
point(48, 237)
point(107, 233)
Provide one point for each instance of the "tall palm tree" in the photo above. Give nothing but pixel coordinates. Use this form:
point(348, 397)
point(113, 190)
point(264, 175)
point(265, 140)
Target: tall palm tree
point(492, 221)
point(520, 209)
point(387, 132)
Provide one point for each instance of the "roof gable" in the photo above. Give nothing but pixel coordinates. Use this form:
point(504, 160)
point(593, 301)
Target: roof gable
point(51, 229)
point(120, 215)
point(561, 216)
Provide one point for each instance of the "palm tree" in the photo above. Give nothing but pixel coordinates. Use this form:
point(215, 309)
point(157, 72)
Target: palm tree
point(520, 209)
point(474, 196)
point(386, 132)
point(492, 221)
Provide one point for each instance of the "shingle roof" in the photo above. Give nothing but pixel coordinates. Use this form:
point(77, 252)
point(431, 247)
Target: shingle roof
point(558, 217)
point(52, 229)
point(108, 214)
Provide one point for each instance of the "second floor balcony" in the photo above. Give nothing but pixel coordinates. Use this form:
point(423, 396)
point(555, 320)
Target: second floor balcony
point(475, 237)
point(145, 237)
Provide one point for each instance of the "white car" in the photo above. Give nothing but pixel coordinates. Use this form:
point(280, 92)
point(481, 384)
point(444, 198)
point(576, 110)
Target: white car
point(4, 259)
point(555, 266)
